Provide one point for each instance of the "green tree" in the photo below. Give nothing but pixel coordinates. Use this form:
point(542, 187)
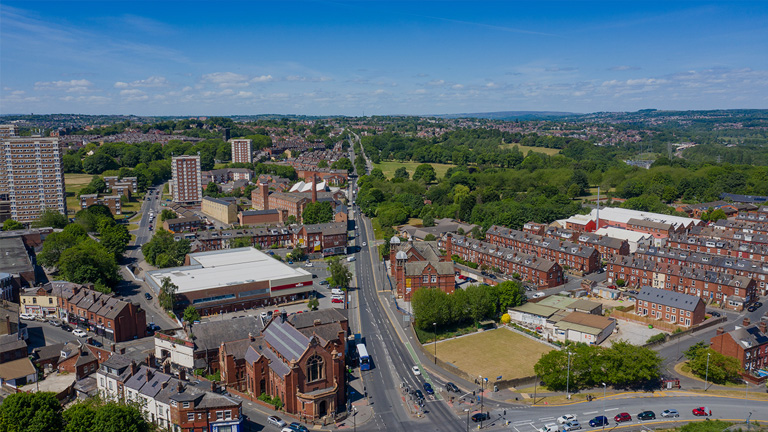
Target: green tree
point(239, 242)
point(50, 218)
point(428, 221)
point(695, 350)
point(716, 215)
point(79, 417)
point(298, 253)
point(212, 189)
point(99, 162)
point(626, 365)
point(425, 172)
point(89, 262)
point(114, 238)
point(163, 251)
point(721, 369)
point(340, 275)
point(313, 304)
point(317, 212)
point(118, 417)
point(10, 225)
point(167, 296)
point(481, 303)
point(322, 164)
point(401, 173)
point(191, 314)
point(31, 412)
point(291, 220)
point(510, 294)
point(430, 237)
point(90, 218)
point(71, 164)
point(56, 243)
point(343, 164)
point(167, 214)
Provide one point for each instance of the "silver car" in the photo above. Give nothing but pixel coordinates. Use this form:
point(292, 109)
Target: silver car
point(670, 413)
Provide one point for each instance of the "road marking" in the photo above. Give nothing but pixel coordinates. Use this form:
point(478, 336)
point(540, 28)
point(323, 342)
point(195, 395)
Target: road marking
point(548, 418)
point(590, 412)
point(611, 409)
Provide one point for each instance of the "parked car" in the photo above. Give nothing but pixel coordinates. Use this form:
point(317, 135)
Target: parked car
point(451, 387)
point(323, 282)
point(148, 296)
point(622, 417)
point(416, 371)
point(66, 328)
point(264, 315)
point(670, 413)
point(277, 421)
point(308, 264)
point(572, 425)
point(752, 308)
point(551, 427)
point(758, 304)
point(428, 388)
point(702, 411)
point(290, 262)
point(565, 419)
point(598, 421)
point(79, 333)
point(38, 318)
point(714, 314)
point(647, 415)
point(54, 322)
point(478, 417)
point(337, 300)
point(337, 291)
point(298, 427)
point(26, 316)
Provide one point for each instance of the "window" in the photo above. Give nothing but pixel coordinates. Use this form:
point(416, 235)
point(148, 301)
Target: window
point(186, 405)
point(190, 416)
point(228, 415)
point(434, 278)
point(219, 415)
point(315, 369)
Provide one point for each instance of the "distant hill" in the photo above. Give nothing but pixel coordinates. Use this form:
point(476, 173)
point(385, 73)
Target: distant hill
point(511, 115)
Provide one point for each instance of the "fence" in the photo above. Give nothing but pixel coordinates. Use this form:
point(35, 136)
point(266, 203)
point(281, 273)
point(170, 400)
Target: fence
point(629, 316)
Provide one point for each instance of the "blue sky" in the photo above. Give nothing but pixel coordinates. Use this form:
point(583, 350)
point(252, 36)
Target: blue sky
point(355, 58)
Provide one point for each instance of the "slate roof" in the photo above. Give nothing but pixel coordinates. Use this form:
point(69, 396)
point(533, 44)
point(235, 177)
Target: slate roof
point(326, 332)
point(147, 385)
point(48, 352)
point(417, 268)
point(326, 316)
point(14, 258)
point(11, 342)
point(239, 348)
point(275, 363)
point(749, 337)
point(209, 335)
point(218, 201)
point(587, 320)
point(285, 339)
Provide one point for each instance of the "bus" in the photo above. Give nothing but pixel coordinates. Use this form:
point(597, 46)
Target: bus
point(365, 359)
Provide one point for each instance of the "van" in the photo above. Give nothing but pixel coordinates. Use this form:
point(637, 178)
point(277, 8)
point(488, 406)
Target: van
point(350, 259)
point(539, 295)
point(337, 291)
point(549, 428)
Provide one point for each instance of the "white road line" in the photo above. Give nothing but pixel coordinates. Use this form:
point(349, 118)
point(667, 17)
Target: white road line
point(591, 412)
point(522, 422)
point(548, 418)
point(611, 409)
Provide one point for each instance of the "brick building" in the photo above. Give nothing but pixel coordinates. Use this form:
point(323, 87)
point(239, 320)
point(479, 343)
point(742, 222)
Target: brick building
point(540, 272)
point(113, 202)
point(182, 224)
point(261, 217)
point(416, 265)
point(328, 238)
point(113, 319)
point(605, 245)
point(670, 306)
point(748, 344)
point(241, 150)
point(186, 184)
point(568, 255)
point(222, 210)
point(31, 176)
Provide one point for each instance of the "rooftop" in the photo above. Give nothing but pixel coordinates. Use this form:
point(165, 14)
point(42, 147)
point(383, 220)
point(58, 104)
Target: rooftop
point(13, 256)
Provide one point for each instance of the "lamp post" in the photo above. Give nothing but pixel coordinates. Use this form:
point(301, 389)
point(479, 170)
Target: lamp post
point(467, 410)
point(746, 388)
point(604, 388)
point(706, 375)
point(354, 419)
point(568, 377)
point(749, 417)
point(434, 324)
point(482, 399)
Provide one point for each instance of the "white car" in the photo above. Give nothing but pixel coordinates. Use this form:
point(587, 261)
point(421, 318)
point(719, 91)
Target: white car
point(79, 333)
point(308, 264)
point(365, 244)
point(572, 425)
point(416, 370)
point(26, 316)
point(277, 421)
point(566, 418)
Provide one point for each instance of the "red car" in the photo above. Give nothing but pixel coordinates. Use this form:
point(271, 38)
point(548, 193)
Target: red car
point(702, 411)
point(622, 417)
point(337, 300)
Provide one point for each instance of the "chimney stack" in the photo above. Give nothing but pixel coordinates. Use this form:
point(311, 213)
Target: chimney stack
point(250, 337)
point(316, 323)
point(745, 322)
point(133, 368)
point(763, 326)
point(720, 330)
point(164, 384)
point(265, 194)
point(166, 369)
point(314, 187)
point(147, 374)
point(112, 347)
point(8, 329)
point(179, 387)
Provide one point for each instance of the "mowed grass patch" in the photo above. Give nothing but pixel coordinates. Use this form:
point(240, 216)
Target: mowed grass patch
point(525, 149)
point(72, 185)
point(389, 167)
point(492, 353)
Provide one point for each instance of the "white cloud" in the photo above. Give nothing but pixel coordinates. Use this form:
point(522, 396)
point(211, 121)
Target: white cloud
point(436, 82)
point(457, 86)
point(78, 85)
point(622, 68)
point(226, 79)
point(153, 81)
point(263, 78)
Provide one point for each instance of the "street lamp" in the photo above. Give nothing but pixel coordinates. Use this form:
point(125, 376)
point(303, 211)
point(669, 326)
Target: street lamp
point(354, 419)
point(467, 410)
point(568, 377)
point(604, 388)
point(706, 376)
point(482, 399)
point(746, 388)
point(435, 327)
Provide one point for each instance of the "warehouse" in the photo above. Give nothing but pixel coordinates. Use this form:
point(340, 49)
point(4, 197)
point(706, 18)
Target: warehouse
point(233, 279)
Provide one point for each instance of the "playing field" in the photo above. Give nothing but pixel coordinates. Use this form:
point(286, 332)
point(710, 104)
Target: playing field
point(72, 185)
point(492, 353)
point(525, 149)
point(389, 167)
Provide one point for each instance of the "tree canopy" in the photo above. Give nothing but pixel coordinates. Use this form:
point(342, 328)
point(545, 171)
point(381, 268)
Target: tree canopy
point(317, 212)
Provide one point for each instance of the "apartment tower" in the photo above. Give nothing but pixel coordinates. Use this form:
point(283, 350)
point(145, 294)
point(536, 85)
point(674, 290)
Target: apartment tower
point(187, 180)
point(31, 176)
point(241, 150)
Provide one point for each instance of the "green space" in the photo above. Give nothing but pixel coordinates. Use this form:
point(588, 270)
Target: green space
point(493, 353)
point(72, 185)
point(525, 149)
point(389, 167)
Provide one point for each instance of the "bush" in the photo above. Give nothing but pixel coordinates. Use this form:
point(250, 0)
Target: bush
point(657, 338)
point(275, 401)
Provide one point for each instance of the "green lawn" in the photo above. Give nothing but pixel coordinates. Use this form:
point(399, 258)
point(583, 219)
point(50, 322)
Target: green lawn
point(493, 353)
point(389, 167)
point(526, 149)
point(72, 185)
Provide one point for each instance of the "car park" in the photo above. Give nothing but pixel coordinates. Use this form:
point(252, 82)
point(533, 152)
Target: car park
point(565, 419)
point(702, 411)
point(416, 371)
point(572, 425)
point(79, 333)
point(647, 415)
point(428, 388)
point(599, 421)
point(478, 417)
point(26, 316)
point(622, 417)
point(451, 387)
point(277, 421)
point(670, 413)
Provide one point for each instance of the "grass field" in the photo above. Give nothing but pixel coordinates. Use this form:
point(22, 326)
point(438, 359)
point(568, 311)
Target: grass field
point(72, 185)
point(493, 353)
point(526, 149)
point(389, 167)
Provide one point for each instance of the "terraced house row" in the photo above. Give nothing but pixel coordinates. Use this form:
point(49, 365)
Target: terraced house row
point(730, 291)
point(720, 247)
point(605, 245)
point(541, 272)
point(568, 255)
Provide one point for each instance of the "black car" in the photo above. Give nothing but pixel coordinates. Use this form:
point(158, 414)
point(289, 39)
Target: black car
point(428, 388)
point(647, 415)
point(758, 305)
point(480, 417)
point(419, 394)
point(148, 296)
point(714, 314)
point(65, 327)
point(451, 387)
point(752, 308)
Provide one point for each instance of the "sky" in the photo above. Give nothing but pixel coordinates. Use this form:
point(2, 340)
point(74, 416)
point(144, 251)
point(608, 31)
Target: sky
point(377, 58)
